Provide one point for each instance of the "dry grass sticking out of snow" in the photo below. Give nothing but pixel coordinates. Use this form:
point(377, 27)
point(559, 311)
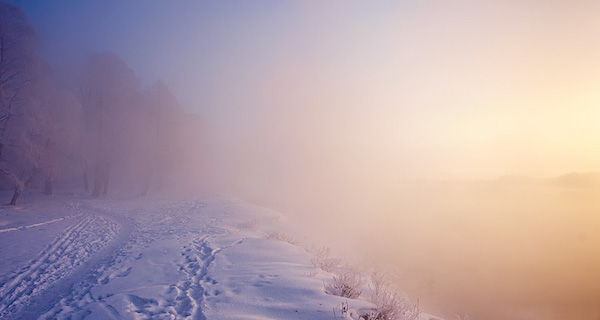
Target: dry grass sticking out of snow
point(322, 259)
point(283, 237)
point(347, 285)
point(391, 305)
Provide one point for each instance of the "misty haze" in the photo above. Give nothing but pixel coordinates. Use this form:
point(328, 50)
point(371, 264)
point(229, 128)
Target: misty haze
point(299, 160)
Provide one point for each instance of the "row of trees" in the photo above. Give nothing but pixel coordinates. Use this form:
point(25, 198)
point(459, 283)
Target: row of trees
point(105, 130)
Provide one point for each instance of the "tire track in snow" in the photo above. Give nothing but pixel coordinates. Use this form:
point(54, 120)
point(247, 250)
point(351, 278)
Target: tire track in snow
point(109, 266)
point(76, 304)
point(65, 253)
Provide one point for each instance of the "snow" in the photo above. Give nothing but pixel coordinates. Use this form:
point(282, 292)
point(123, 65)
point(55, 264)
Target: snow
point(71, 257)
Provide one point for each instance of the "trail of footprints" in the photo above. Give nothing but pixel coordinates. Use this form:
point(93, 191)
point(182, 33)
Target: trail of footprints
point(65, 253)
point(183, 300)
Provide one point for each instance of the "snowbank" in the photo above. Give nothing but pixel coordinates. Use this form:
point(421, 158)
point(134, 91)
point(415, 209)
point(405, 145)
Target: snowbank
point(74, 258)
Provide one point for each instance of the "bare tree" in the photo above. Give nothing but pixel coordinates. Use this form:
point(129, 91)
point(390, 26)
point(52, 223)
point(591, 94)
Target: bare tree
point(176, 144)
point(60, 126)
point(109, 91)
point(20, 70)
point(163, 112)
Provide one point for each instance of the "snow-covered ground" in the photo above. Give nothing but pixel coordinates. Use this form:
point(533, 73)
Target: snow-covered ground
point(70, 257)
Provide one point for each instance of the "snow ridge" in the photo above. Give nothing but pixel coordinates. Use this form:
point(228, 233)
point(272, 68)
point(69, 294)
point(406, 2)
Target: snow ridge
point(34, 225)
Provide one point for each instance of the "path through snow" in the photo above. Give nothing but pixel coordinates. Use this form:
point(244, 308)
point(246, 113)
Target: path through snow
point(158, 259)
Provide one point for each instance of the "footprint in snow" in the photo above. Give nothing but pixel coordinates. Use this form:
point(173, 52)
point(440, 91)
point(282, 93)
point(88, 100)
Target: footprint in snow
point(123, 272)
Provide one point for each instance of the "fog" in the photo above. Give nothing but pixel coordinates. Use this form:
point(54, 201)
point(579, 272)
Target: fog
point(381, 128)
point(494, 250)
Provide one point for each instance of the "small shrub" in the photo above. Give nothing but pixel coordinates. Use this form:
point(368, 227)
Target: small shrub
point(322, 259)
point(391, 305)
point(348, 285)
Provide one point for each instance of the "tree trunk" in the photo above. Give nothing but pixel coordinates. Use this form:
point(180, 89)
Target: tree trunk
point(48, 187)
point(101, 179)
point(20, 187)
point(97, 180)
point(16, 194)
point(147, 182)
point(105, 180)
point(86, 184)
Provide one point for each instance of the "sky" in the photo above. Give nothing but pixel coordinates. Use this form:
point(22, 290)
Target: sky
point(423, 89)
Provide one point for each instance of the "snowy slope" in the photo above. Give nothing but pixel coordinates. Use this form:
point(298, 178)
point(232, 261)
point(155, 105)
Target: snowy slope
point(77, 258)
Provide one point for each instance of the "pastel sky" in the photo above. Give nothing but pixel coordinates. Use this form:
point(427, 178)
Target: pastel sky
point(389, 89)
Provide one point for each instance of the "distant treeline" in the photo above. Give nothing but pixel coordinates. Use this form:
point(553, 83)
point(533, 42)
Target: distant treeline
point(98, 131)
point(569, 180)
